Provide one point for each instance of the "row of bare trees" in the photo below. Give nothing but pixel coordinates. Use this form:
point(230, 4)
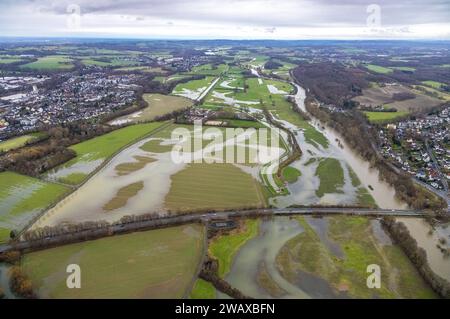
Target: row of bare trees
point(209, 272)
point(296, 151)
point(35, 159)
point(19, 282)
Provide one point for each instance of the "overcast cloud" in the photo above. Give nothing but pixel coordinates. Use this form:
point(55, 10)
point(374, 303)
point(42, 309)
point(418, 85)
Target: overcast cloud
point(283, 19)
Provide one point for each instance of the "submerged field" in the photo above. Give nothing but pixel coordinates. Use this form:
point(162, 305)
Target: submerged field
point(91, 153)
point(326, 257)
point(331, 176)
point(342, 259)
point(193, 89)
point(21, 198)
point(145, 179)
point(153, 264)
point(283, 70)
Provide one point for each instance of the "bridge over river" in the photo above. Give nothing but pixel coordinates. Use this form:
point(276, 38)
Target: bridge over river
point(121, 228)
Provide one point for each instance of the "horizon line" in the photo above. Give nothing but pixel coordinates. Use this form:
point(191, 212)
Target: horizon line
point(217, 39)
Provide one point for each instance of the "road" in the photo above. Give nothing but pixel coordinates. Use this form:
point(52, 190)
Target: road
point(117, 229)
point(205, 92)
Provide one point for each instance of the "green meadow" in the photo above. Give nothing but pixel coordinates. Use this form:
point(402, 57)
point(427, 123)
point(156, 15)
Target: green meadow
point(21, 198)
point(158, 105)
point(225, 247)
point(102, 147)
point(378, 69)
point(17, 142)
point(377, 117)
point(109, 62)
point(213, 186)
point(209, 69)
point(348, 273)
point(331, 176)
point(257, 91)
point(159, 263)
point(9, 59)
point(52, 62)
point(194, 85)
point(434, 84)
point(203, 290)
point(404, 68)
point(291, 174)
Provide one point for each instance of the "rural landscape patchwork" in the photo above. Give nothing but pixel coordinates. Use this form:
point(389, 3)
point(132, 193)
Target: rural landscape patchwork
point(210, 168)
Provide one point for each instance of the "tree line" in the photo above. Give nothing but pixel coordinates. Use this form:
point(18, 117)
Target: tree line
point(37, 158)
point(209, 272)
point(19, 282)
point(332, 83)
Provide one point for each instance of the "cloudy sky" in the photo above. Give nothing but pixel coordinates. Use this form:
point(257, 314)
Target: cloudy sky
point(236, 19)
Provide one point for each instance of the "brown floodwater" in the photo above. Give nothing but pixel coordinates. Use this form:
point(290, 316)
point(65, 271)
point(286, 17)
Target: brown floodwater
point(384, 195)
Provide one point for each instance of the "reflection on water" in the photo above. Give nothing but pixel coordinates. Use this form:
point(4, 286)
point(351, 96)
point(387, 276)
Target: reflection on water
point(320, 226)
point(317, 287)
point(9, 220)
point(379, 232)
point(245, 267)
point(383, 193)
point(264, 248)
point(304, 190)
point(88, 202)
point(4, 281)
point(80, 167)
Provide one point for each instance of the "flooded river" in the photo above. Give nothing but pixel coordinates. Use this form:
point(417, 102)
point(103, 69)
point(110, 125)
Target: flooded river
point(264, 248)
point(262, 252)
point(89, 201)
point(137, 181)
point(428, 239)
point(303, 191)
point(383, 193)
